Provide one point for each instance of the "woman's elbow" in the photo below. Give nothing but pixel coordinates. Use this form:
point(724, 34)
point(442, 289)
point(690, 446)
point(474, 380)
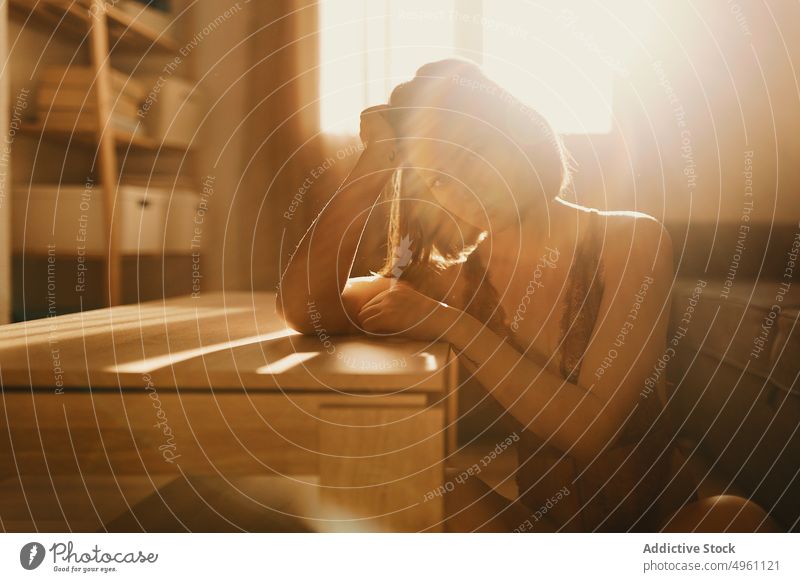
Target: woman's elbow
point(295, 315)
point(310, 317)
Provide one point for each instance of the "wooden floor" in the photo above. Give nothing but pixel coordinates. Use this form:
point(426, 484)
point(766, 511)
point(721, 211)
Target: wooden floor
point(70, 503)
point(90, 503)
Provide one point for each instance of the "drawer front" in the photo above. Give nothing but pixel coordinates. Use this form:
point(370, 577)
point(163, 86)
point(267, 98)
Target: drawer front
point(146, 432)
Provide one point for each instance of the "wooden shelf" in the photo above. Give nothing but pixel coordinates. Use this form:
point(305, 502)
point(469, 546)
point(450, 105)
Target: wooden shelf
point(149, 143)
point(103, 27)
point(125, 27)
point(102, 256)
point(89, 138)
point(74, 17)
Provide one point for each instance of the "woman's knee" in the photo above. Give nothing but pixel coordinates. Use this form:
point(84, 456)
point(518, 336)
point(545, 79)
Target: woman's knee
point(721, 513)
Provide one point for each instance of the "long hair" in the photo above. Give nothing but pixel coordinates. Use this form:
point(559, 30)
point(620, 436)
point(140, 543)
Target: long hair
point(458, 91)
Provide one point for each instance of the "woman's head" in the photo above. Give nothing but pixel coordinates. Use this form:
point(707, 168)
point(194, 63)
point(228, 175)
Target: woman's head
point(475, 159)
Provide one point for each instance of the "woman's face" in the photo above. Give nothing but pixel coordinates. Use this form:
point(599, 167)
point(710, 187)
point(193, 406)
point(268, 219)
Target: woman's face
point(479, 181)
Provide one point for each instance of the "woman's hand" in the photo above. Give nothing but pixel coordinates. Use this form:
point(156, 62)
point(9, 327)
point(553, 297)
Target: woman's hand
point(403, 311)
point(376, 131)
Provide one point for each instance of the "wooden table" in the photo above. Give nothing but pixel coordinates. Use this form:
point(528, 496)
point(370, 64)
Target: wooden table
point(216, 387)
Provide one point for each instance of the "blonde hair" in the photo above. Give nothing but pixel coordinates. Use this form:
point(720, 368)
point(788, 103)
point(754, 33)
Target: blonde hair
point(439, 240)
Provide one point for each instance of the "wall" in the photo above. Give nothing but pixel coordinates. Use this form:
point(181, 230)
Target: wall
point(709, 122)
point(256, 73)
point(5, 214)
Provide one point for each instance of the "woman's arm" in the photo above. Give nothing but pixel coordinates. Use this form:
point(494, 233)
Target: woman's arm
point(320, 266)
point(580, 418)
point(584, 418)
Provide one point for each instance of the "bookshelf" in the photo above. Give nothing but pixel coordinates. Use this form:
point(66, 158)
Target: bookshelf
point(75, 17)
point(5, 212)
point(100, 27)
point(122, 140)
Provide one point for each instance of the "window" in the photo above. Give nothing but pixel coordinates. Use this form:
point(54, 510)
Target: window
point(368, 47)
point(560, 57)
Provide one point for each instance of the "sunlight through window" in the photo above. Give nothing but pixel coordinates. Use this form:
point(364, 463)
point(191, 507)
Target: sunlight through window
point(560, 57)
point(532, 52)
point(368, 47)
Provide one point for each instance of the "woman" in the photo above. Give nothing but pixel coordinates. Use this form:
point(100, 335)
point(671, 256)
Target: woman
point(558, 310)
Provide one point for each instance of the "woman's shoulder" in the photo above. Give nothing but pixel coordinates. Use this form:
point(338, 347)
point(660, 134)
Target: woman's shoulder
point(625, 228)
point(621, 218)
point(630, 238)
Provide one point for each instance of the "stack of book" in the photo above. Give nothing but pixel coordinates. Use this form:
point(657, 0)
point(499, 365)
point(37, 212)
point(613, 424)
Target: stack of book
point(66, 99)
point(150, 13)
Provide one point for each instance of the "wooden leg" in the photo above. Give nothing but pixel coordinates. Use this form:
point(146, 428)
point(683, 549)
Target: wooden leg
point(380, 468)
point(451, 406)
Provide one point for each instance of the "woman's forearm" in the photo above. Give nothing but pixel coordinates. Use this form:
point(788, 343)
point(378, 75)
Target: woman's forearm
point(551, 407)
point(320, 266)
